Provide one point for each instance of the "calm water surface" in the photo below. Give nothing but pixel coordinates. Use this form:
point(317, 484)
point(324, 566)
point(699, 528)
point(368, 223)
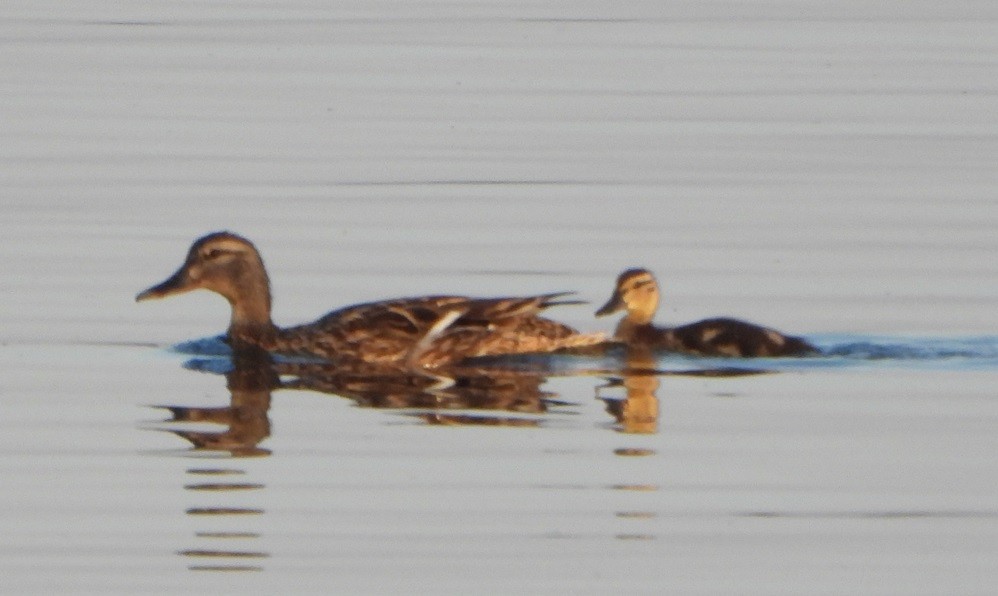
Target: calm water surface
point(826, 170)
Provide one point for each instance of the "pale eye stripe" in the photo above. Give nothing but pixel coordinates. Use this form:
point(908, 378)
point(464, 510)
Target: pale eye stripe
point(639, 283)
point(224, 246)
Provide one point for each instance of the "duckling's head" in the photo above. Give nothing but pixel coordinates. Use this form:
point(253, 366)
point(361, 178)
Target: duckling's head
point(226, 264)
point(636, 291)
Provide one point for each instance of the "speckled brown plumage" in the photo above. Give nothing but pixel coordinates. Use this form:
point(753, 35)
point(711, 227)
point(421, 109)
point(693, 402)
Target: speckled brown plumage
point(426, 331)
point(637, 292)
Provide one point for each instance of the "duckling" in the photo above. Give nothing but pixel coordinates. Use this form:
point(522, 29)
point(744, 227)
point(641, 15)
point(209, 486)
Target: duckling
point(637, 292)
point(422, 332)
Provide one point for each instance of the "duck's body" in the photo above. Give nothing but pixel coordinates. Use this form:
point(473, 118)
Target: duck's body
point(426, 331)
point(637, 292)
point(429, 330)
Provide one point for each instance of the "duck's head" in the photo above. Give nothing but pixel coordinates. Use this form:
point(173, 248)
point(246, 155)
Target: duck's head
point(637, 292)
point(223, 263)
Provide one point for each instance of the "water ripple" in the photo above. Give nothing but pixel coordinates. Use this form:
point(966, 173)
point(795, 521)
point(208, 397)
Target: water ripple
point(837, 351)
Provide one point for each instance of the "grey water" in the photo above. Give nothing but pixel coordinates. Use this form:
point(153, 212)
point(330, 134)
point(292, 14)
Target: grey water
point(827, 170)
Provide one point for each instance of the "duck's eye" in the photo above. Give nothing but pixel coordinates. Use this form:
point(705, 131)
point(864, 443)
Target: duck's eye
point(212, 253)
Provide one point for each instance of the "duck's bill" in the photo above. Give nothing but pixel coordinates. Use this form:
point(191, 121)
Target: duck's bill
point(177, 283)
point(616, 303)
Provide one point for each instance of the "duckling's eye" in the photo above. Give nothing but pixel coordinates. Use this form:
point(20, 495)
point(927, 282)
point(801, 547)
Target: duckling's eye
point(212, 253)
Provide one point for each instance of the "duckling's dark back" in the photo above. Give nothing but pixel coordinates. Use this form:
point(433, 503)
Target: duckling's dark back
point(732, 337)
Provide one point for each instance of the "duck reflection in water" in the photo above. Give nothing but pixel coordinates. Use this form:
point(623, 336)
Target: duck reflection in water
point(250, 382)
point(444, 397)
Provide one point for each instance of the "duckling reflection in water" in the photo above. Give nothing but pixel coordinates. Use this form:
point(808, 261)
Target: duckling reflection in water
point(637, 292)
point(427, 331)
point(637, 413)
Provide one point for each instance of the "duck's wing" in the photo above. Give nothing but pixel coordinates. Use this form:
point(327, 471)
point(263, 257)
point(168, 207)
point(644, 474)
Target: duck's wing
point(418, 315)
point(500, 310)
point(499, 326)
point(376, 332)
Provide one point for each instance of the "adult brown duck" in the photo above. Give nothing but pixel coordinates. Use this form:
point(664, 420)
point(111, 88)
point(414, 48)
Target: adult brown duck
point(637, 293)
point(426, 332)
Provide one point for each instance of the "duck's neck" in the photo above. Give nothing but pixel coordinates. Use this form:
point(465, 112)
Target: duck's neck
point(250, 325)
point(642, 313)
point(627, 329)
point(638, 317)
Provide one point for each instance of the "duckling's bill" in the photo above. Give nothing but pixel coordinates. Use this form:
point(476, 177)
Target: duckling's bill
point(615, 303)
